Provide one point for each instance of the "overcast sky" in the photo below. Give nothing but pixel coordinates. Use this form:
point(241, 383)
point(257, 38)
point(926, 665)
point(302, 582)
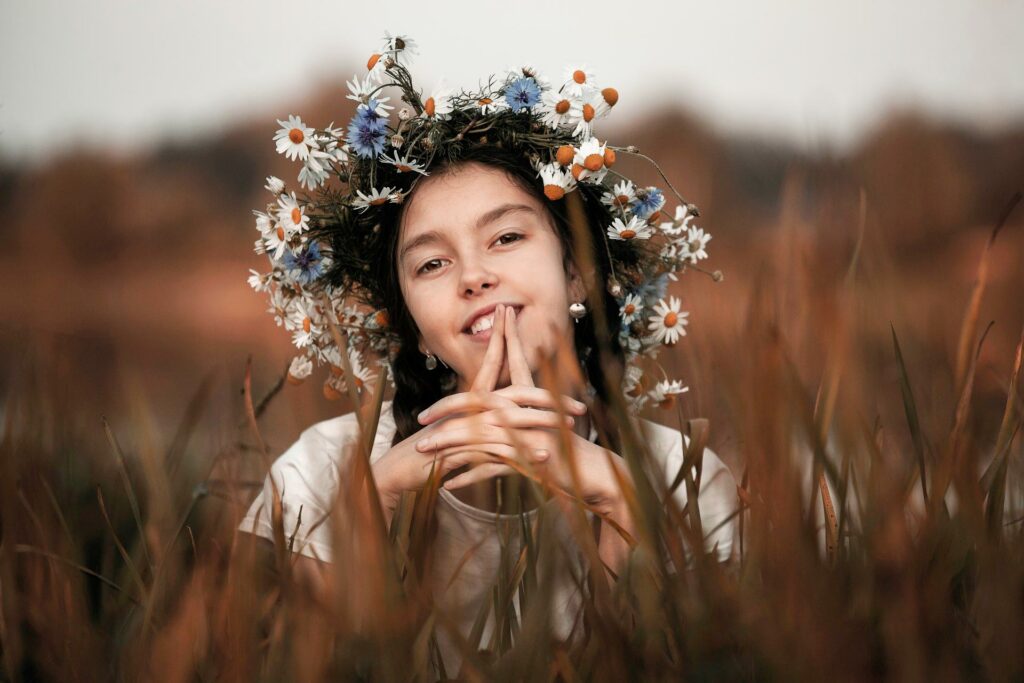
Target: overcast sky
point(120, 74)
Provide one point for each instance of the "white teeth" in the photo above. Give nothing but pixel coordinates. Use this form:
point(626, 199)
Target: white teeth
point(481, 324)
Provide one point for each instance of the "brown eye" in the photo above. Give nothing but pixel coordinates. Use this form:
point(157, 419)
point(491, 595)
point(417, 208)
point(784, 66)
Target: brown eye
point(425, 269)
point(517, 235)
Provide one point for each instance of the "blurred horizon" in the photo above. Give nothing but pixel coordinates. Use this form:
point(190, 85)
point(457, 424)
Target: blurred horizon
point(801, 74)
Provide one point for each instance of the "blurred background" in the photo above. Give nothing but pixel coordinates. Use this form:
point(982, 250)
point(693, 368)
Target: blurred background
point(135, 138)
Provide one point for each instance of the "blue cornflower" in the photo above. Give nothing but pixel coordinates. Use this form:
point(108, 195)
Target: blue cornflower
point(367, 133)
point(522, 94)
point(309, 263)
point(648, 200)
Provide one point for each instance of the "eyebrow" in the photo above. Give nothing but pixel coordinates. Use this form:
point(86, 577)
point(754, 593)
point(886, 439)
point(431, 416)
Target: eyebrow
point(432, 236)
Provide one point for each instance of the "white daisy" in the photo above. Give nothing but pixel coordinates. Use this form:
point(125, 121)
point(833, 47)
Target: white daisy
point(376, 320)
point(438, 104)
point(631, 308)
point(295, 138)
point(609, 98)
point(302, 322)
point(583, 112)
point(679, 222)
point(314, 173)
point(632, 381)
point(360, 90)
point(668, 323)
point(554, 109)
point(490, 104)
point(258, 281)
point(276, 241)
point(696, 241)
point(620, 196)
point(665, 391)
point(633, 386)
point(351, 316)
point(264, 222)
point(274, 184)
point(334, 387)
point(376, 67)
point(400, 47)
point(578, 80)
point(590, 155)
point(300, 368)
point(557, 181)
point(291, 215)
point(404, 164)
point(376, 197)
point(361, 375)
point(635, 229)
point(278, 307)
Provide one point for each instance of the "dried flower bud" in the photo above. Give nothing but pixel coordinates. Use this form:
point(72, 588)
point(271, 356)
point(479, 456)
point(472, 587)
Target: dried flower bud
point(274, 184)
point(632, 149)
point(397, 141)
point(388, 63)
point(404, 113)
point(718, 276)
point(614, 288)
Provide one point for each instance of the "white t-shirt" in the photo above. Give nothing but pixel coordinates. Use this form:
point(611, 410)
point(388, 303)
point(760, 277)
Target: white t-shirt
point(307, 477)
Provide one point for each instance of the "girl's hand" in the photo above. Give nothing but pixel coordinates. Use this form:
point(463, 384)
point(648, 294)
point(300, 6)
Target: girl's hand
point(504, 439)
point(405, 467)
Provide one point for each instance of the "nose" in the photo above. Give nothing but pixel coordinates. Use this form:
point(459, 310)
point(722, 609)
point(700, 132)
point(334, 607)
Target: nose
point(476, 277)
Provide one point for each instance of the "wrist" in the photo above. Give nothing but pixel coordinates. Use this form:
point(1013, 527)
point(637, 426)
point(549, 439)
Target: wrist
point(608, 493)
point(382, 478)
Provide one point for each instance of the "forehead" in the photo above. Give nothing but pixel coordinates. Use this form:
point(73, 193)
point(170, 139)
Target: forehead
point(455, 200)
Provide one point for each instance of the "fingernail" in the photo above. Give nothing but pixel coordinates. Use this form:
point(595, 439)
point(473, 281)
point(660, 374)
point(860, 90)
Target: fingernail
point(570, 420)
point(423, 415)
point(422, 444)
point(579, 406)
point(541, 454)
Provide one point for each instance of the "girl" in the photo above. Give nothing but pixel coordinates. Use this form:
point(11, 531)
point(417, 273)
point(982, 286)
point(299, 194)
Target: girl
point(488, 293)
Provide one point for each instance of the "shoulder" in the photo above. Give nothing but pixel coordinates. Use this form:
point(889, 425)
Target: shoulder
point(668, 446)
point(717, 497)
point(311, 465)
point(306, 479)
point(327, 439)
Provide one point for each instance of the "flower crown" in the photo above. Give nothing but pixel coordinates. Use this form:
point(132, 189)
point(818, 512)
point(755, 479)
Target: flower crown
point(325, 246)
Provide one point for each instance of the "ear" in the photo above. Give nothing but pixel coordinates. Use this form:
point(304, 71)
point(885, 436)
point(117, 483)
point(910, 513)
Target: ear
point(577, 288)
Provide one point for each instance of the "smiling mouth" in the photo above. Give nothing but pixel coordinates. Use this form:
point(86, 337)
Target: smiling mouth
point(481, 327)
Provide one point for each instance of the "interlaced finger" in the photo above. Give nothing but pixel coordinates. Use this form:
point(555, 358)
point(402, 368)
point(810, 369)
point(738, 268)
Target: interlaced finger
point(487, 378)
point(519, 367)
point(506, 397)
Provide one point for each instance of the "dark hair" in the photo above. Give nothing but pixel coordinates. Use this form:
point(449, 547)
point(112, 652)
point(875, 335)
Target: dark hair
point(417, 388)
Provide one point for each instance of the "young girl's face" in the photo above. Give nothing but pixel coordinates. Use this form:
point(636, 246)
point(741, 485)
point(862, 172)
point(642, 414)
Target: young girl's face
point(471, 239)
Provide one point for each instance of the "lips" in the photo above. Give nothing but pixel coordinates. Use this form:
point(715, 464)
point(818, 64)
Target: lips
point(485, 312)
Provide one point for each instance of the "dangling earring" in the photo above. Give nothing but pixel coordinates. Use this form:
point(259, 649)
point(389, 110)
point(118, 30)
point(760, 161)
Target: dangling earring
point(431, 361)
point(577, 310)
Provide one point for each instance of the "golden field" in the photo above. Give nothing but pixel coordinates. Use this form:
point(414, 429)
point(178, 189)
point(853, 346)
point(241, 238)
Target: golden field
point(127, 456)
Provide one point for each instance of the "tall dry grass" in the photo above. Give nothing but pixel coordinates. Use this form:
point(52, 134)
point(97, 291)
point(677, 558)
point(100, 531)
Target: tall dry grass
point(868, 546)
